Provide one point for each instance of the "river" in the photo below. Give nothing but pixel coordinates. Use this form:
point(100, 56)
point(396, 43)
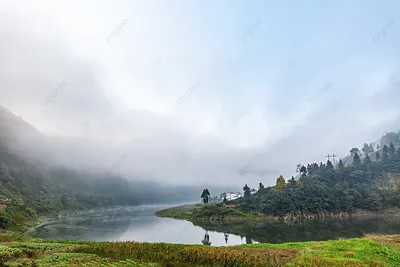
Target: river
point(138, 223)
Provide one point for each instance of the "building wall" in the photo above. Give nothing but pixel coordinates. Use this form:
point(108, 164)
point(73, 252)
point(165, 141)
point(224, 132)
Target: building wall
point(232, 196)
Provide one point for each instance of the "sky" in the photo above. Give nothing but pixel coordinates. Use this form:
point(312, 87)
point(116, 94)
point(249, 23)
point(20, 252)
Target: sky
point(218, 92)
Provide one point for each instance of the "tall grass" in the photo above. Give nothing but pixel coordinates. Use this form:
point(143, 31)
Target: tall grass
point(179, 255)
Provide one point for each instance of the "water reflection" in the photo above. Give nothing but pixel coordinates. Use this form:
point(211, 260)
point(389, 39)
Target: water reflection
point(248, 240)
point(206, 240)
point(226, 238)
point(314, 230)
point(140, 224)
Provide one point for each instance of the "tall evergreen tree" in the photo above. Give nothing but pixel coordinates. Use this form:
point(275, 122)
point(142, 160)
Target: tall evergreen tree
point(298, 168)
point(329, 165)
point(354, 150)
point(309, 168)
point(378, 156)
point(356, 159)
point(292, 183)
point(261, 186)
point(365, 149)
point(341, 165)
point(385, 155)
point(246, 190)
point(392, 152)
point(207, 192)
point(398, 154)
point(367, 160)
point(303, 171)
point(205, 195)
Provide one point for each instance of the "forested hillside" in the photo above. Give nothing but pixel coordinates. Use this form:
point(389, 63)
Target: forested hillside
point(27, 191)
point(29, 188)
point(365, 185)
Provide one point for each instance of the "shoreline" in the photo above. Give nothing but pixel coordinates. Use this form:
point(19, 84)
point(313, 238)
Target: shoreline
point(185, 212)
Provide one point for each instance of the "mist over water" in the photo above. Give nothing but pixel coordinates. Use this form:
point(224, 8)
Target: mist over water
point(139, 224)
point(130, 224)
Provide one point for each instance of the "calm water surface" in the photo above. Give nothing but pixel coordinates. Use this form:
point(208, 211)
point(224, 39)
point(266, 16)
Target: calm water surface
point(139, 224)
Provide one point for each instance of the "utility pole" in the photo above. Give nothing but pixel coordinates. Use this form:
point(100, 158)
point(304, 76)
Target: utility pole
point(329, 157)
point(334, 161)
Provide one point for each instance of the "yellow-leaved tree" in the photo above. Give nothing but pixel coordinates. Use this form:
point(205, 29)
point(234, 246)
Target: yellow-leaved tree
point(280, 182)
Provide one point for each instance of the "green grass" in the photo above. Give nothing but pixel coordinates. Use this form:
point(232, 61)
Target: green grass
point(362, 251)
point(184, 212)
point(290, 245)
point(372, 250)
point(199, 212)
point(210, 212)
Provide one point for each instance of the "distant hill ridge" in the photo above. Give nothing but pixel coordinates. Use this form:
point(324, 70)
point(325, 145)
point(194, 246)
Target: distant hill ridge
point(32, 183)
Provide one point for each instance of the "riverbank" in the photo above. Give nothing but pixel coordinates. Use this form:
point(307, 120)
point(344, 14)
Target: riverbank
point(372, 250)
point(184, 212)
point(232, 213)
point(199, 212)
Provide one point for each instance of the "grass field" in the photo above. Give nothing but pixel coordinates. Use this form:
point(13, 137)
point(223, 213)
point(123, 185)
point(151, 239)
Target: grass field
point(199, 212)
point(184, 212)
point(18, 250)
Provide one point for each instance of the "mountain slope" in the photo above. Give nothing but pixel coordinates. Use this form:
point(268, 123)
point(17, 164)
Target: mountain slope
point(32, 184)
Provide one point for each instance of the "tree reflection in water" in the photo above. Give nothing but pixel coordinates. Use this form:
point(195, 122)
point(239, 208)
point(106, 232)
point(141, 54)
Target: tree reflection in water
point(248, 240)
point(277, 232)
point(206, 240)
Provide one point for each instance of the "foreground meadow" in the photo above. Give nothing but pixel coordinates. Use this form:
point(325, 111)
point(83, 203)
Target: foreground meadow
point(18, 250)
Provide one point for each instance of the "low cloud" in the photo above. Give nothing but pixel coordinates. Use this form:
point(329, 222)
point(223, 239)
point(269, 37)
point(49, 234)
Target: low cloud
point(189, 104)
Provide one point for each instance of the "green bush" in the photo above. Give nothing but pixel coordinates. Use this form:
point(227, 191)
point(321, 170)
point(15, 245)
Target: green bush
point(5, 219)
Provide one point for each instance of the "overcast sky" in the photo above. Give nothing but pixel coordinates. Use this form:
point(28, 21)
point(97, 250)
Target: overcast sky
point(198, 90)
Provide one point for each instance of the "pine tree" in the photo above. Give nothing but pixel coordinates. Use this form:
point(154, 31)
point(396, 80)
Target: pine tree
point(378, 156)
point(365, 148)
point(367, 160)
point(392, 152)
point(292, 183)
point(354, 150)
point(398, 154)
point(356, 159)
point(246, 190)
point(205, 195)
point(303, 171)
point(385, 156)
point(329, 165)
point(341, 165)
point(261, 186)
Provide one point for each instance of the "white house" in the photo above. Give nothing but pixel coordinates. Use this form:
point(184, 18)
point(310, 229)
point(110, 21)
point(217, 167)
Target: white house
point(232, 195)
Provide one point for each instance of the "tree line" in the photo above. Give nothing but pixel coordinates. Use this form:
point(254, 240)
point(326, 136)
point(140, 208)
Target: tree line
point(370, 182)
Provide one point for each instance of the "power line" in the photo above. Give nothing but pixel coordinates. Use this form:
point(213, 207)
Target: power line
point(333, 156)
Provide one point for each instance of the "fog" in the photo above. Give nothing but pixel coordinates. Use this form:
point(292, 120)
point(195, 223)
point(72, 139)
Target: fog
point(186, 93)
